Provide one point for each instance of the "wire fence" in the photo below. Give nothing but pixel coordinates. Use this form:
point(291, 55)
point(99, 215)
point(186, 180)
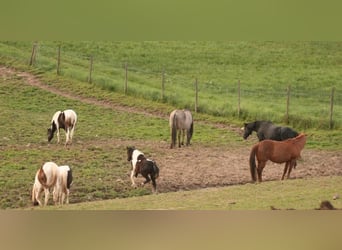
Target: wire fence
point(323, 105)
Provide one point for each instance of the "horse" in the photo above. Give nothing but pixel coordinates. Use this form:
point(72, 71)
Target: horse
point(66, 120)
point(51, 176)
point(141, 165)
point(287, 151)
point(63, 183)
point(181, 121)
point(267, 130)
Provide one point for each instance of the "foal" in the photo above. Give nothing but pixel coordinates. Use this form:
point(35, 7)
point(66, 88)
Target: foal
point(51, 176)
point(66, 120)
point(141, 165)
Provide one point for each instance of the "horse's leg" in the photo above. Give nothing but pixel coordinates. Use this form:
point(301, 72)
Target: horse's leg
point(132, 178)
point(67, 196)
point(179, 137)
point(47, 194)
point(260, 168)
point(147, 178)
point(71, 134)
point(293, 163)
point(58, 136)
point(38, 196)
point(67, 135)
point(154, 184)
point(285, 169)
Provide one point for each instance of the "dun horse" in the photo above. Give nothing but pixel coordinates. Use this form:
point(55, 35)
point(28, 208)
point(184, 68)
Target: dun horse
point(181, 121)
point(51, 176)
point(66, 120)
point(287, 151)
point(267, 130)
point(141, 165)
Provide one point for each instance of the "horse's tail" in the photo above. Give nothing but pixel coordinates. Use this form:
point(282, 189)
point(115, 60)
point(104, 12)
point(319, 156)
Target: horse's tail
point(155, 170)
point(173, 131)
point(252, 163)
point(69, 178)
point(42, 177)
point(191, 131)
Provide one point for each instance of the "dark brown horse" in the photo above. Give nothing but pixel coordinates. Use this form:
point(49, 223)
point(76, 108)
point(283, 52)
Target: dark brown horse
point(287, 151)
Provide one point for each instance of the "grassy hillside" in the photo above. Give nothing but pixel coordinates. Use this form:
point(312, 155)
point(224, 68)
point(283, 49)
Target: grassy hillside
point(264, 69)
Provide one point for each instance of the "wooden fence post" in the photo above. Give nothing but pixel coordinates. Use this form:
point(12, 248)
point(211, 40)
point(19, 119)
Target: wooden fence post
point(33, 54)
point(126, 79)
point(196, 95)
point(59, 60)
point(239, 98)
point(287, 116)
point(331, 123)
point(90, 69)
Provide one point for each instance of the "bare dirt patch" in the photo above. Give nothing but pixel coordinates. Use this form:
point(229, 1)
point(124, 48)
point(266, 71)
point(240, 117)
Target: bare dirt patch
point(200, 167)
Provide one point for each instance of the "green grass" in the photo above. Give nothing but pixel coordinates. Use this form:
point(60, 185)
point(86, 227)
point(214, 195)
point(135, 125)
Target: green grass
point(301, 194)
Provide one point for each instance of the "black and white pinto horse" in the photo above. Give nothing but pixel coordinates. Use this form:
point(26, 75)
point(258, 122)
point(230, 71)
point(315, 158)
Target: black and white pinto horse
point(52, 176)
point(66, 120)
point(181, 121)
point(141, 165)
point(267, 130)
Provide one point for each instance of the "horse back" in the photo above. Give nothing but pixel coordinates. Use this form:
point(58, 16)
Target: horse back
point(67, 119)
point(48, 174)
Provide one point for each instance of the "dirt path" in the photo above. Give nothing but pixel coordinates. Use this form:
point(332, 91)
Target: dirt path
point(197, 166)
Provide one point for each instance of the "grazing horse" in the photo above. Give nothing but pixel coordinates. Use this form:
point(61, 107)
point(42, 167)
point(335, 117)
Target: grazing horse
point(181, 121)
point(141, 165)
point(267, 130)
point(287, 151)
point(63, 183)
point(51, 176)
point(65, 120)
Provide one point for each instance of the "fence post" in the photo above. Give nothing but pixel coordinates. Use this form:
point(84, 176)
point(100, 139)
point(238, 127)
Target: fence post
point(33, 54)
point(239, 98)
point(163, 85)
point(331, 123)
point(90, 69)
point(287, 116)
point(126, 79)
point(196, 95)
point(58, 59)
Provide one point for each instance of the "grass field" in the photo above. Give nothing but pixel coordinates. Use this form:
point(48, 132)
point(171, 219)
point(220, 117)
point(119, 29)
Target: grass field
point(263, 68)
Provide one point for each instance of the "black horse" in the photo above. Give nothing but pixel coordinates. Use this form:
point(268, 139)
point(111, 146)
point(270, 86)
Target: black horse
point(267, 130)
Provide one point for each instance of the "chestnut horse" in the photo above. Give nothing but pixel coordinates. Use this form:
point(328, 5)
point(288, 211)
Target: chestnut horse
point(287, 151)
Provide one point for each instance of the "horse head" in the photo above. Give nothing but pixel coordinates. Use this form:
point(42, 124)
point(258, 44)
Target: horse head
point(130, 153)
point(248, 129)
point(51, 131)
